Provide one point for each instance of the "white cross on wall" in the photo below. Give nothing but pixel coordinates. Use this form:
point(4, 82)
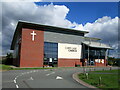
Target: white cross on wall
point(33, 35)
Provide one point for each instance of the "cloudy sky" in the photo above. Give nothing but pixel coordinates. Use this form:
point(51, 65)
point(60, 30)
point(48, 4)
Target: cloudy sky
point(100, 19)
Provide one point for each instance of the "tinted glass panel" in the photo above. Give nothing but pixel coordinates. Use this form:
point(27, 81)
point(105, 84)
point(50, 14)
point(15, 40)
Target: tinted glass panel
point(50, 51)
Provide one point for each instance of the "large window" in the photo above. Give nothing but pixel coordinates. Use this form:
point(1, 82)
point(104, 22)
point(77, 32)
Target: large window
point(95, 53)
point(50, 53)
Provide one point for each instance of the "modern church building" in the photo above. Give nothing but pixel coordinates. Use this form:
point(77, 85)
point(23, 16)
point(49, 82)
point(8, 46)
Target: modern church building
point(37, 45)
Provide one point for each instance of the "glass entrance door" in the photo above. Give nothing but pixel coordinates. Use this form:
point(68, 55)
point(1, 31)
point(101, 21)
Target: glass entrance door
point(91, 62)
point(50, 54)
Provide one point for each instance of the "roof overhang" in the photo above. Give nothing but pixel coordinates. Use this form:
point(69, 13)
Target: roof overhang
point(92, 38)
point(96, 44)
point(38, 25)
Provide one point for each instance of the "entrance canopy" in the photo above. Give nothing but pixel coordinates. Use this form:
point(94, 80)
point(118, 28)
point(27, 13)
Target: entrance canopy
point(96, 44)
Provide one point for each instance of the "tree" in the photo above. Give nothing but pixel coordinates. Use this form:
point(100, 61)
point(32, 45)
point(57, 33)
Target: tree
point(9, 55)
point(113, 61)
point(9, 59)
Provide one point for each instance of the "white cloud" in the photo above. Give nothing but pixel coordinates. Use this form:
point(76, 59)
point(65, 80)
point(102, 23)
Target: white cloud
point(21, 0)
point(28, 11)
point(104, 28)
point(103, 19)
point(78, 26)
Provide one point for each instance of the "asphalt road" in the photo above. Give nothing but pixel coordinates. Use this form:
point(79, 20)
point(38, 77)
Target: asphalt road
point(44, 78)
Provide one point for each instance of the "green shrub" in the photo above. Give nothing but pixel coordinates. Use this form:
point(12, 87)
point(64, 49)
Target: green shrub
point(77, 65)
point(110, 62)
point(8, 60)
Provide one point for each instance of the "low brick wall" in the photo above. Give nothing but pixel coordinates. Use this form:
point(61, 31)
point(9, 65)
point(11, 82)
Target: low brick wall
point(69, 62)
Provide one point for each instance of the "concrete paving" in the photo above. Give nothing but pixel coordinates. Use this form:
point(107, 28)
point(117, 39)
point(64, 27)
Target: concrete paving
point(42, 78)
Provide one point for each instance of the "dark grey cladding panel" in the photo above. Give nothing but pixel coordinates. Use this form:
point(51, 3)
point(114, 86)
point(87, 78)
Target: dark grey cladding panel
point(62, 38)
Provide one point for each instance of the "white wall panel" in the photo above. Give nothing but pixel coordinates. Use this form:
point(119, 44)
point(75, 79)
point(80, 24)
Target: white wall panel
point(70, 51)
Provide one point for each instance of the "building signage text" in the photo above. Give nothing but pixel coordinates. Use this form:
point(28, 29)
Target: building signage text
point(71, 49)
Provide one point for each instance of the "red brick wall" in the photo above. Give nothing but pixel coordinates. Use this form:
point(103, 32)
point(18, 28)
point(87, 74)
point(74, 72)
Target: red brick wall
point(68, 62)
point(101, 64)
point(31, 54)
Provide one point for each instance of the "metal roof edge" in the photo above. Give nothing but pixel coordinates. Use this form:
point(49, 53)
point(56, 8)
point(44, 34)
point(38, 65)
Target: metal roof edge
point(99, 47)
point(33, 23)
point(92, 38)
point(15, 33)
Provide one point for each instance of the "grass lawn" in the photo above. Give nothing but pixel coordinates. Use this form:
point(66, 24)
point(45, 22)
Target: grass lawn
point(5, 67)
point(8, 67)
point(109, 79)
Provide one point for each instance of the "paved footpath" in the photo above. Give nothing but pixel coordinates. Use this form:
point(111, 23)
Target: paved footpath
point(44, 78)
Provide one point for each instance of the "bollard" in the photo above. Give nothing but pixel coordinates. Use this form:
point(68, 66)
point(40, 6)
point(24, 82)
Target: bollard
point(84, 70)
point(99, 80)
point(110, 68)
point(87, 75)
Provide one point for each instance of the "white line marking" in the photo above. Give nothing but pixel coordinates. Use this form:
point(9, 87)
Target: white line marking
point(27, 72)
point(31, 78)
point(20, 75)
point(17, 86)
point(47, 74)
point(24, 74)
point(52, 72)
point(45, 70)
point(58, 77)
point(17, 76)
point(14, 81)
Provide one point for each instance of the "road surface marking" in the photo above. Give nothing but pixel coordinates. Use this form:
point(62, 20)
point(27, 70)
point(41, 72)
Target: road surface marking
point(17, 86)
point(50, 73)
point(23, 73)
point(17, 77)
point(14, 81)
point(30, 71)
point(45, 70)
point(47, 74)
point(59, 78)
point(31, 78)
point(27, 72)
point(20, 75)
point(34, 71)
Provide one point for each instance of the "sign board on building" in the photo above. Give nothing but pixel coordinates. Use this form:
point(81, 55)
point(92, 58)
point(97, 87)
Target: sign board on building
point(99, 61)
point(70, 51)
point(50, 59)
